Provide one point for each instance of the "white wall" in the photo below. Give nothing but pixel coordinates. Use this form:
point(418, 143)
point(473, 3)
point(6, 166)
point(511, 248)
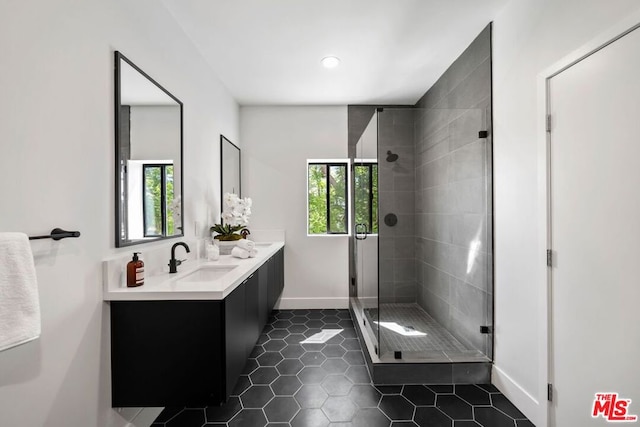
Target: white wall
point(57, 161)
point(155, 132)
point(276, 142)
point(529, 37)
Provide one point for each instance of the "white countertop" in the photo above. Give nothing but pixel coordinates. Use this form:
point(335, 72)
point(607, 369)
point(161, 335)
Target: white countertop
point(165, 286)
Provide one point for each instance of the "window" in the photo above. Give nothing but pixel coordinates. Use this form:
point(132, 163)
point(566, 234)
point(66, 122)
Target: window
point(365, 176)
point(157, 194)
point(327, 197)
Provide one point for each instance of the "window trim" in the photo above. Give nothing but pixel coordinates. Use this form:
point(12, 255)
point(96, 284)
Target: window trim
point(331, 162)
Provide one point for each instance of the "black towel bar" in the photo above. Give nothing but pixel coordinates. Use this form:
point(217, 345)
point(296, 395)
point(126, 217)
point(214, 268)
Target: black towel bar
point(57, 234)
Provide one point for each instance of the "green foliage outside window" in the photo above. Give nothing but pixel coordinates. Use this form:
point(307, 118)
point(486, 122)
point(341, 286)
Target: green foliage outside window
point(366, 195)
point(327, 187)
point(158, 193)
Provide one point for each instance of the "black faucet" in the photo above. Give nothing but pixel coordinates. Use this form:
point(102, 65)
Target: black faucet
point(173, 262)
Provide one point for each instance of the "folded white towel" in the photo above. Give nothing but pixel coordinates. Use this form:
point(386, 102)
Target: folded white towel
point(246, 244)
point(19, 304)
point(253, 253)
point(239, 253)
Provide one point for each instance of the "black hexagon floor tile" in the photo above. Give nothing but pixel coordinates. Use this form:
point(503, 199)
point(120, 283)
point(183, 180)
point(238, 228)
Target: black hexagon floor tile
point(274, 345)
point(269, 358)
point(315, 314)
point(397, 408)
point(338, 409)
point(336, 339)
point(285, 314)
point(248, 418)
point(292, 351)
point(337, 385)
point(491, 417)
point(503, 404)
point(312, 417)
point(333, 350)
point(428, 416)
point(354, 357)
point(281, 409)
point(289, 366)
point(370, 417)
point(286, 383)
point(365, 396)
point(311, 396)
point(242, 384)
point(312, 375)
point(256, 396)
point(278, 333)
point(312, 358)
point(298, 320)
point(335, 366)
point(419, 395)
point(350, 344)
point(358, 374)
point(264, 375)
point(454, 407)
point(295, 338)
point(472, 394)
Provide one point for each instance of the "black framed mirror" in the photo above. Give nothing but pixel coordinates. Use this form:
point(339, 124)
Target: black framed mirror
point(230, 169)
point(148, 158)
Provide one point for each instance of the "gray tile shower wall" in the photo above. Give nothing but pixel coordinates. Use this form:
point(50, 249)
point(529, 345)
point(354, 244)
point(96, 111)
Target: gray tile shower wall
point(396, 186)
point(453, 214)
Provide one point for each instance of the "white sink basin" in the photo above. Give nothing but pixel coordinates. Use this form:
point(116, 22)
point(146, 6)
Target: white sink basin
point(210, 273)
point(263, 244)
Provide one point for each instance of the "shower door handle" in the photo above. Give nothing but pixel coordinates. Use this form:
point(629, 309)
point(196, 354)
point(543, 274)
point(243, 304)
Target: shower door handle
point(360, 234)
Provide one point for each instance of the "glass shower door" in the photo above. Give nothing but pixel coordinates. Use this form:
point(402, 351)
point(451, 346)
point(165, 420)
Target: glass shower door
point(365, 179)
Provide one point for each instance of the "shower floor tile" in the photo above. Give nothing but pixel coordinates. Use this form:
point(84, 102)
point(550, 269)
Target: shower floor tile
point(411, 330)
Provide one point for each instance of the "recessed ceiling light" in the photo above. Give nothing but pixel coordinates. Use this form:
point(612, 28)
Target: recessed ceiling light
point(330, 61)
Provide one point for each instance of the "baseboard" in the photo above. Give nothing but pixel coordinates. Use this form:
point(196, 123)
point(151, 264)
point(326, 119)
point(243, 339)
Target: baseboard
point(312, 303)
point(526, 403)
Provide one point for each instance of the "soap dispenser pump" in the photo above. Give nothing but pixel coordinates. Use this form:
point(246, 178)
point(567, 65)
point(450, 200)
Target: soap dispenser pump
point(135, 272)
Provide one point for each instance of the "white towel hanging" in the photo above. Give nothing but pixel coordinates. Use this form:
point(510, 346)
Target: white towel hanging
point(19, 303)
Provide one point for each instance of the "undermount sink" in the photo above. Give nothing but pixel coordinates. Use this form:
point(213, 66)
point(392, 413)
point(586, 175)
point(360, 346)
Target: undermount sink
point(263, 244)
point(209, 273)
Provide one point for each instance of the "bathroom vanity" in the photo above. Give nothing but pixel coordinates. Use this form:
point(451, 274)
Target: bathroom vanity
point(184, 340)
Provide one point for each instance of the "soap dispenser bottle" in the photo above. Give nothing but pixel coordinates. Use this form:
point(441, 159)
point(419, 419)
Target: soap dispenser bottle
point(135, 272)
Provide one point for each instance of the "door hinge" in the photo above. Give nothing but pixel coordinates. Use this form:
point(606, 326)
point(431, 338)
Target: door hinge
point(548, 122)
point(485, 329)
point(550, 392)
point(549, 258)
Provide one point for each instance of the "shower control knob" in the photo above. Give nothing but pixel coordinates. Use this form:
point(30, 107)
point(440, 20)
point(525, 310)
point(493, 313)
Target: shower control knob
point(390, 219)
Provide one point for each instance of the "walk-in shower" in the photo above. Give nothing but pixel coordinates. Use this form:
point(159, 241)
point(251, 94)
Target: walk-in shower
point(424, 269)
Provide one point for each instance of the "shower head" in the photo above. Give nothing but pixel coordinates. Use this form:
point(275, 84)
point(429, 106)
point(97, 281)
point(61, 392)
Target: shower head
point(391, 157)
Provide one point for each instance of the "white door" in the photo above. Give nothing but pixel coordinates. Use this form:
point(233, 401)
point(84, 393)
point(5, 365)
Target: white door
point(595, 235)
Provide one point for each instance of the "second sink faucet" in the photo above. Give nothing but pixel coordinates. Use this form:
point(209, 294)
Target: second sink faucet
point(173, 262)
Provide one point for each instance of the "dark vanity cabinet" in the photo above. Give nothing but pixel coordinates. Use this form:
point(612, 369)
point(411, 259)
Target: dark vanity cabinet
point(189, 353)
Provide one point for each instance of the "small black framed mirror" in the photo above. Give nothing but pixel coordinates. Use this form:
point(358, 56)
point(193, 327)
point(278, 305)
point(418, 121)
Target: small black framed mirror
point(148, 158)
point(230, 168)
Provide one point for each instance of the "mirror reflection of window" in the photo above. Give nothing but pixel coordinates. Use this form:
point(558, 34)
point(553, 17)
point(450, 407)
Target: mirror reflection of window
point(149, 127)
point(157, 200)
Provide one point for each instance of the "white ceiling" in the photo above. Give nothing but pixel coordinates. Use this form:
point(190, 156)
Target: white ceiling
point(268, 52)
